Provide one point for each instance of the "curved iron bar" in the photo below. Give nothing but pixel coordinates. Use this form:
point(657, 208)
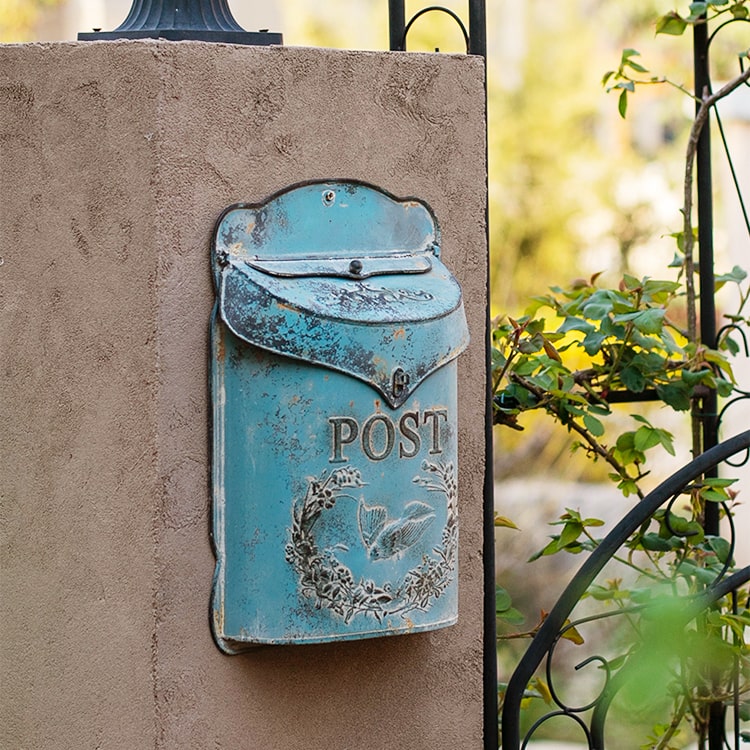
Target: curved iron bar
point(742, 396)
point(549, 632)
point(590, 660)
point(713, 34)
point(737, 329)
point(638, 608)
point(440, 9)
point(693, 608)
point(603, 661)
point(552, 715)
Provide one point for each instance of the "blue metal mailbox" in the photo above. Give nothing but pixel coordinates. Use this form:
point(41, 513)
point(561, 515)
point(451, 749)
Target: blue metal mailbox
point(333, 376)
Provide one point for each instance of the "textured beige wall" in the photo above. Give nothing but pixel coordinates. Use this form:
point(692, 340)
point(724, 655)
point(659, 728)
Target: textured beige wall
point(115, 161)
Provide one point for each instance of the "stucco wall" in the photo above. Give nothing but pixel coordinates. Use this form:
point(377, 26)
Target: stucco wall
point(115, 161)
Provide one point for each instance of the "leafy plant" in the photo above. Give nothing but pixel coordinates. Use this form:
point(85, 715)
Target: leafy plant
point(579, 350)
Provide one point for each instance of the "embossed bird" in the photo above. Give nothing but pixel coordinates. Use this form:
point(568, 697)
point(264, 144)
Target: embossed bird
point(385, 537)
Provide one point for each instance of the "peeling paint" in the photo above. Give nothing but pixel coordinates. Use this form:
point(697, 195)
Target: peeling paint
point(332, 479)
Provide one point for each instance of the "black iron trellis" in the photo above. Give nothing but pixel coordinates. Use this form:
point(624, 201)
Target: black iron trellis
point(554, 628)
point(555, 625)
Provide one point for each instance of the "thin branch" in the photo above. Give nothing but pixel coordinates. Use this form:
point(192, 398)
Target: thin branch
point(595, 446)
point(701, 118)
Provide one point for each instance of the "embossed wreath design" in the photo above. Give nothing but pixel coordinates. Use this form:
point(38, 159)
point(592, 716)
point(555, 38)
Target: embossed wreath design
point(331, 584)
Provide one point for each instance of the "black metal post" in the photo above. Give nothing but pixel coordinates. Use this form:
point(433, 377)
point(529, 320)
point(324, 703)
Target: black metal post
point(709, 405)
point(706, 250)
point(478, 28)
point(179, 20)
point(396, 24)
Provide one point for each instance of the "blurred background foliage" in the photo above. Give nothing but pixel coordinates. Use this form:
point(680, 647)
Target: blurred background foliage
point(19, 19)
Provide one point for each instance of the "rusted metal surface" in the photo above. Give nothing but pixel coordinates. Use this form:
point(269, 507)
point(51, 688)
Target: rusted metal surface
point(334, 341)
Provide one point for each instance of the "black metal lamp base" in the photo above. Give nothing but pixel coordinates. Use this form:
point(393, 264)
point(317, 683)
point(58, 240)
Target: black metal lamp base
point(181, 20)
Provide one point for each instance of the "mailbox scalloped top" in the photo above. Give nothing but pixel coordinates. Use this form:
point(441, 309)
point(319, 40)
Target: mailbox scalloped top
point(342, 275)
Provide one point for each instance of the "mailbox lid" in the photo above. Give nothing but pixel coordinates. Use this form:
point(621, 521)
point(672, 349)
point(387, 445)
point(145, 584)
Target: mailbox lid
point(342, 275)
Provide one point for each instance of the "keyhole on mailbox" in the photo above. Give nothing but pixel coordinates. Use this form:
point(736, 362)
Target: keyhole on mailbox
point(400, 381)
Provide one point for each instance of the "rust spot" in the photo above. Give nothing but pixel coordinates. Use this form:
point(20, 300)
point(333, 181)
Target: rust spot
point(250, 226)
point(399, 333)
point(221, 350)
point(219, 618)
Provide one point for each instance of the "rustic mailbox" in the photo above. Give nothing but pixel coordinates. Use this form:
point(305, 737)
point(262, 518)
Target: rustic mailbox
point(334, 341)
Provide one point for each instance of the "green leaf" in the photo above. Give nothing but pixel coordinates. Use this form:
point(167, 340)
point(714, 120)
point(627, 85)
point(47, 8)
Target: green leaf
point(654, 543)
point(714, 496)
point(719, 481)
point(570, 533)
point(650, 321)
point(632, 379)
point(660, 289)
point(730, 345)
point(628, 487)
point(678, 524)
point(576, 324)
point(503, 600)
point(695, 533)
point(532, 344)
point(676, 395)
point(502, 521)
point(736, 275)
point(592, 522)
point(694, 377)
point(592, 343)
point(721, 548)
point(645, 438)
point(622, 103)
point(511, 617)
point(593, 425)
point(676, 261)
point(549, 549)
point(627, 54)
point(671, 23)
point(689, 569)
point(739, 11)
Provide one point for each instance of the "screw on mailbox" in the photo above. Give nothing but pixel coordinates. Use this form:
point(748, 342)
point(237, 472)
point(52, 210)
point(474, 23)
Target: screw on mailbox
point(355, 267)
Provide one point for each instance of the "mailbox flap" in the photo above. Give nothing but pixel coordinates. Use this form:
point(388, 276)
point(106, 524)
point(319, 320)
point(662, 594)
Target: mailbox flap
point(341, 275)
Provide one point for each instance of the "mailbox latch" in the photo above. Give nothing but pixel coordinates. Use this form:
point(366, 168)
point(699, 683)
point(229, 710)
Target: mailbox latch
point(400, 382)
